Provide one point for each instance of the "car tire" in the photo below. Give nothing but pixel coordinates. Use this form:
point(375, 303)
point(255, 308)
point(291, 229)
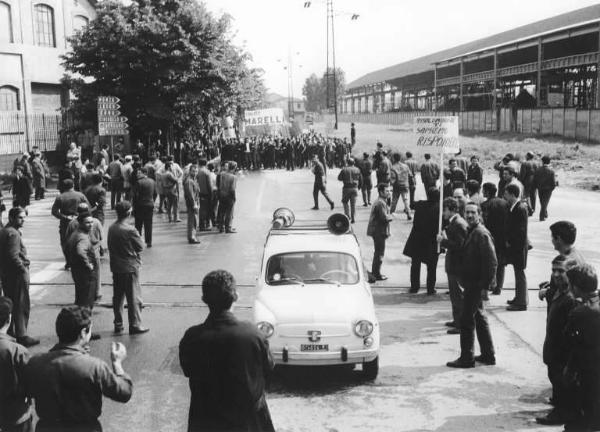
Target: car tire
point(370, 369)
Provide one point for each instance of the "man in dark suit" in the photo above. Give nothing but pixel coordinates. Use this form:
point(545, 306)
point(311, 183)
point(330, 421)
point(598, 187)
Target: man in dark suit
point(545, 182)
point(421, 245)
point(320, 182)
point(379, 228)
point(527, 177)
point(143, 193)
point(475, 172)
point(517, 245)
point(366, 168)
point(452, 240)
point(430, 173)
point(477, 272)
point(14, 274)
point(227, 362)
point(494, 211)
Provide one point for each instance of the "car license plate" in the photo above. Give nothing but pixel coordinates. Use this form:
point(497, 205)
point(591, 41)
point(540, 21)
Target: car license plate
point(306, 347)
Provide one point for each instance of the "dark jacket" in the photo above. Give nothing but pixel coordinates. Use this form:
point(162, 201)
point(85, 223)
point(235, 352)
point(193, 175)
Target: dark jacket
point(555, 344)
point(96, 195)
point(384, 170)
point(227, 362)
point(527, 173)
point(479, 260)
point(13, 403)
point(516, 236)
point(430, 172)
point(144, 192)
point(13, 255)
point(421, 244)
point(494, 212)
point(379, 220)
point(475, 173)
point(456, 233)
point(351, 177)
point(545, 178)
point(66, 204)
point(583, 339)
point(67, 385)
point(124, 247)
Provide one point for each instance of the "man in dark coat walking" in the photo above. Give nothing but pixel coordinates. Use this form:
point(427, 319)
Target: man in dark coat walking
point(517, 245)
point(421, 245)
point(320, 182)
point(144, 193)
point(527, 177)
point(477, 272)
point(227, 362)
point(545, 183)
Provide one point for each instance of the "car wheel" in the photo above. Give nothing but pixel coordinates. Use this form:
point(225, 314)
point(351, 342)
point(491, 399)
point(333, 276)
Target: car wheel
point(370, 369)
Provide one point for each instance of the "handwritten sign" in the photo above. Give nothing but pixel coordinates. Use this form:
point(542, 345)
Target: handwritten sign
point(437, 134)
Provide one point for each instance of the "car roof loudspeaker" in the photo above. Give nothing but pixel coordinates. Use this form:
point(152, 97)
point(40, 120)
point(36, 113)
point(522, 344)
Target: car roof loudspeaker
point(338, 223)
point(282, 218)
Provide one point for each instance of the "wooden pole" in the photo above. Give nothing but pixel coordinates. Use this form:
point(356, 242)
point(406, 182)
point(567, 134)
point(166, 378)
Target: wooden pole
point(441, 197)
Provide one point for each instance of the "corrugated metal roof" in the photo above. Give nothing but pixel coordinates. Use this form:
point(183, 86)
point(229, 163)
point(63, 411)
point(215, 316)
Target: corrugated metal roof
point(425, 63)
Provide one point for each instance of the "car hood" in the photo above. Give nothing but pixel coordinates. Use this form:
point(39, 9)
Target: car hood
point(315, 303)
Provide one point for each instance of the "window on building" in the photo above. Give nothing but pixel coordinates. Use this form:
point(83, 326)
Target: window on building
point(9, 99)
point(79, 22)
point(5, 23)
point(43, 17)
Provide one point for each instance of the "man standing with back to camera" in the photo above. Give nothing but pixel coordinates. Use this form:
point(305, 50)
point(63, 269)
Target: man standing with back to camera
point(227, 362)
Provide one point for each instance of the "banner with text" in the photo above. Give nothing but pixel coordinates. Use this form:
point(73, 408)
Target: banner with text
point(437, 134)
point(264, 117)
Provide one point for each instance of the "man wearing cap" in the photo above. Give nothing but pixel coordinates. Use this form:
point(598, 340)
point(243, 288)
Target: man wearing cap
point(65, 209)
point(227, 362)
point(14, 275)
point(351, 177)
point(125, 247)
point(15, 407)
point(67, 383)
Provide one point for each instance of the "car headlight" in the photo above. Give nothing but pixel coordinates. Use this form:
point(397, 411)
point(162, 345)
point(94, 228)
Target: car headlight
point(363, 328)
point(265, 328)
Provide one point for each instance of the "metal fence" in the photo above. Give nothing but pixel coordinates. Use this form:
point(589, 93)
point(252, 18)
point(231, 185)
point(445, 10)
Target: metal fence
point(21, 132)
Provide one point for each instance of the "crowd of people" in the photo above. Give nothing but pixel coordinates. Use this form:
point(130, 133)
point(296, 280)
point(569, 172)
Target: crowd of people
point(485, 229)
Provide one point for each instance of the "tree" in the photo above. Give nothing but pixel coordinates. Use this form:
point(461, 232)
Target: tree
point(315, 90)
point(171, 62)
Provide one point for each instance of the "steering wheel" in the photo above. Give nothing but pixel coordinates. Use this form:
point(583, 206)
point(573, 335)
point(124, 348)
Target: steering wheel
point(348, 275)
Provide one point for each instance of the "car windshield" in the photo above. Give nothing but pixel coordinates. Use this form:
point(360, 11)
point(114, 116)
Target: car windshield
point(312, 267)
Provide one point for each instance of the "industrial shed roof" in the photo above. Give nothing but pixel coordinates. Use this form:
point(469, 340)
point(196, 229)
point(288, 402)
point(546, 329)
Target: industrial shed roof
point(425, 63)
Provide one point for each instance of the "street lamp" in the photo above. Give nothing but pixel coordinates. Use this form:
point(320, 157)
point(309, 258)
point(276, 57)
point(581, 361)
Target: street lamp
point(330, 24)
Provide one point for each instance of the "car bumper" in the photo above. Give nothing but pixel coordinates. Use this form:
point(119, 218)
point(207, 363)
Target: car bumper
point(299, 358)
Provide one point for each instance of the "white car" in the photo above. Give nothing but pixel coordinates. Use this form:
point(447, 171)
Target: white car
point(314, 302)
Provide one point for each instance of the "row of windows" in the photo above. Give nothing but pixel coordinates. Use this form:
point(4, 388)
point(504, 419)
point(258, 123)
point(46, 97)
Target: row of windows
point(43, 20)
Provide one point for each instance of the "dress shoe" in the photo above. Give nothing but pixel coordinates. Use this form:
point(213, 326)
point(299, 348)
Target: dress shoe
point(516, 308)
point(550, 419)
point(331, 204)
point(148, 245)
point(431, 292)
point(177, 220)
point(487, 360)
point(381, 277)
point(460, 363)
point(450, 324)
point(365, 205)
point(95, 336)
point(413, 290)
point(314, 208)
point(119, 330)
point(352, 221)
point(193, 241)
point(138, 330)
point(453, 330)
point(496, 291)
point(27, 341)
point(509, 302)
point(231, 231)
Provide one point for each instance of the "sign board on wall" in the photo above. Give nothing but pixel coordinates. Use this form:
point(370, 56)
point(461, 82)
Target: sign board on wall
point(437, 134)
point(110, 120)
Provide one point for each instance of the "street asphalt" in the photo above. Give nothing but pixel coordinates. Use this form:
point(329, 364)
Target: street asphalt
point(415, 391)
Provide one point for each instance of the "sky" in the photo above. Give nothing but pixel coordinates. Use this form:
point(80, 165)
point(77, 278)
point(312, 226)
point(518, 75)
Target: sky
point(387, 32)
